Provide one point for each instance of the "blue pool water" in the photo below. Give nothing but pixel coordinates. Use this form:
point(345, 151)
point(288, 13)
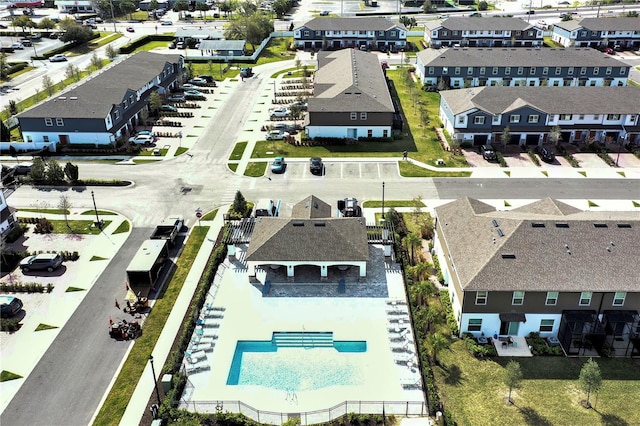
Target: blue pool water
point(297, 366)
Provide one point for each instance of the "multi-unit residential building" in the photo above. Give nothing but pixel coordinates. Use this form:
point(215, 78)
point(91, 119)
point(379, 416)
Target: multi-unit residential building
point(604, 114)
point(545, 267)
point(599, 32)
point(8, 218)
point(483, 32)
point(351, 98)
point(360, 33)
point(104, 108)
point(472, 67)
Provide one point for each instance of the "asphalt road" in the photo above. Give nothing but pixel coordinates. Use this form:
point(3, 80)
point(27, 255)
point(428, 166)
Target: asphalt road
point(68, 383)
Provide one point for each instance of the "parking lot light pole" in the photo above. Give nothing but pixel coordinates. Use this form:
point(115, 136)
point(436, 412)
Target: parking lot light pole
point(382, 200)
point(95, 209)
point(155, 382)
point(113, 17)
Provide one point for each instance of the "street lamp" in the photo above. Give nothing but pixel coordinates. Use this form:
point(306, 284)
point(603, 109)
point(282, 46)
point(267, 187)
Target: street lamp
point(95, 209)
point(155, 382)
point(179, 139)
point(382, 200)
point(113, 17)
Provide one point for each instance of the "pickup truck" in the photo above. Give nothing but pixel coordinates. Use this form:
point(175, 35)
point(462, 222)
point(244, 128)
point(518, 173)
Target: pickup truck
point(168, 229)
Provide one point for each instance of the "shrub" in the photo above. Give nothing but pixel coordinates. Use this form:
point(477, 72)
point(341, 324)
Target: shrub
point(8, 324)
point(451, 318)
point(501, 160)
point(533, 157)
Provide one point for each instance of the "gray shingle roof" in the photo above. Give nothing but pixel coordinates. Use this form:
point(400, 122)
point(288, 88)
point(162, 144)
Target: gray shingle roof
point(603, 24)
point(311, 207)
point(349, 80)
point(481, 24)
point(517, 57)
point(96, 96)
point(540, 260)
point(303, 240)
point(552, 100)
point(222, 45)
point(353, 24)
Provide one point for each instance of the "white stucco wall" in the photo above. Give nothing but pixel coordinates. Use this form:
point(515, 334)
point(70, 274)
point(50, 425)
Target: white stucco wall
point(343, 131)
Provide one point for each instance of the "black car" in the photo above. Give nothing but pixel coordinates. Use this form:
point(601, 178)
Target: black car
point(488, 153)
point(9, 306)
point(545, 154)
point(315, 165)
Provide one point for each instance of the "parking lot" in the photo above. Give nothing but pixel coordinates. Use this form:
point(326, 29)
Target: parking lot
point(298, 168)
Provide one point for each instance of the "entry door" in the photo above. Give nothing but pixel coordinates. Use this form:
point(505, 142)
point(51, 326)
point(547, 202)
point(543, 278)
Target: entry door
point(352, 133)
point(513, 328)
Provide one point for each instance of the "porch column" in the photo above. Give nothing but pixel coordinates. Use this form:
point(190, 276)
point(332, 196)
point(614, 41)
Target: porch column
point(323, 272)
point(290, 270)
point(363, 270)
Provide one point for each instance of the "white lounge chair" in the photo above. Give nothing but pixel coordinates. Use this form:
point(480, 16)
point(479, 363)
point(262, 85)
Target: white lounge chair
point(194, 357)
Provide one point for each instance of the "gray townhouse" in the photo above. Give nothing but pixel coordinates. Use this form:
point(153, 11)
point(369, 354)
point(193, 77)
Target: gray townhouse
point(472, 67)
point(483, 32)
point(599, 32)
point(359, 33)
point(544, 267)
point(104, 108)
point(351, 98)
point(479, 115)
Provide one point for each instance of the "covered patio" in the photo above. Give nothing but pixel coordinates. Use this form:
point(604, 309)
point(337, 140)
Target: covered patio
point(622, 332)
point(581, 333)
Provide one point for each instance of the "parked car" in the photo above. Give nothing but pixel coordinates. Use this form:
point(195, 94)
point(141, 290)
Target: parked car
point(26, 42)
point(278, 165)
point(488, 153)
point(58, 58)
point(315, 165)
point(542, 23)
point(18, 46)
point(530, 12)
point(42, 261)
point(475, 15)
point(198, 81)
point(274, 135)
point(192, 92)
point(131, 30)
point(22, 169)
point(9, 306)
point(246, 72)
point(545, 154)
point(181, 45)
point(206, 77)
point(172, 45)
point(166, 23)
point(280, 112)
point(142, 139)
point(609, 51)
point(168, 108)
point(189, 86)
point(156, 152)
point(302, 105)
point(325, 13)
point(283, 127)
point(176, 98)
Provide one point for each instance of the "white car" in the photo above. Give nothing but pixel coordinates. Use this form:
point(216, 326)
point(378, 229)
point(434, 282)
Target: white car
point(166, 23)
point(280, 112)
point(58, 58)
point(142, 139)
point(542, 23)
point(17, 46)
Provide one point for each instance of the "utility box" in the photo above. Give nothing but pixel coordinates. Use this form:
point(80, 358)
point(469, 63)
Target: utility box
point(166, 383)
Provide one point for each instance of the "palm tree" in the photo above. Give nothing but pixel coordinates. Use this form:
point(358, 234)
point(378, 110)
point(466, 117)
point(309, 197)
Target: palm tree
point(435, 343)
point(412, 241)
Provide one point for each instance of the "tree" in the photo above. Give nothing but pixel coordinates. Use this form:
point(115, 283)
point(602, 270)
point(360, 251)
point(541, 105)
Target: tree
point(412, 241)
point(280, 7)
point(225, 7)
point(96, 62)
point(67, 22)
point(590, 379)
point(555, 134)
point(239, 204)
point(482, 5)
point(155, 102)
point(435, 343)
point(5, 136)
point(202, 7)
point(3, 66)
point(23, 22)
point(48, 85)
point(37, 173)
point(408, 22)
point(506, 135)
point(65, 205)
point(77, 34)
point(248, 8)
point(54, 173)
point(154, 5)
point(71, 171)
point(295, 111)
point(111, 52)
point(128, 7)
point(181, 5)
point(46, 24)
point(512, 377)
point(73, 72)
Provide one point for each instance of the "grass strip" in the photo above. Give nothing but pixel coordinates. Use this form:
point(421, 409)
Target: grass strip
point(238, 150)
point(408, 169)
point(114, 406)
point(100, 212)
point(8, 375)
point(125, 226)
point(393, 203)
point(45, 211)
point(256, 169)
point(210, 215)
point(42, 327)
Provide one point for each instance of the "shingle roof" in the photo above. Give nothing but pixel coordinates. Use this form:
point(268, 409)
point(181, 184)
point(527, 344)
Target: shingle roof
point(481, 24)
point(552, 100)
point(95, 97)
point(311, 207)
point(603, 24)
point(201, 33)
point(537, 257)
point(350, 80)
point(222, 45)
point(309, 240)
point(517, 57)
point(354, 24)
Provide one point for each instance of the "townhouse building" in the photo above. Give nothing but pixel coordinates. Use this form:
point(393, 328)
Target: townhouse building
point(604, 114)
point(8, 219)
point(544, 267)
point(359, 33)
point(483, 32)
point(599, 32)
point(472, 67)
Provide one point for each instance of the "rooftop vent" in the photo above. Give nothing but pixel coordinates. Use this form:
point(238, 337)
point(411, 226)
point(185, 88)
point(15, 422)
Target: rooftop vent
point(600, 225)
point(624, 225)
point(537, 225)
point(495, 223)
point(508, 255)
point(319, 223)
point(73, 98)
point(298, 223)
point(562, 225)
point(500, 232)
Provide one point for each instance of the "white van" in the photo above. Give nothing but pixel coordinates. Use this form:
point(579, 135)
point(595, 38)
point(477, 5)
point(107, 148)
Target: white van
point(274, 135)
point(265, 207)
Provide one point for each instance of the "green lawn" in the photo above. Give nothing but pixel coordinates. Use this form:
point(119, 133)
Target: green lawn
point(77, 227)
point(408, 169)
point(393, 203)
point(256, 169)
point(49, 211)
point(472, 390)
point(238, 150)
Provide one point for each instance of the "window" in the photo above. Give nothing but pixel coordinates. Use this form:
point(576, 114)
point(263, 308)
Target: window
point(457, 71)
point(469, 70)
point(583, 70)
point(369, 133)
point(520, 70)
point(533, 118)
point(455, 33)
point(596, 116)
point(580, 117)
point(461, 120)
point(445, 70)
point(613, 116)
point(545, 71)
point(475, 324)
point(608, 71)
point(481, 297)
point(354, 115)
point(45, 138)
point(570, 70)
point(59, 122)
point(482, 70)
point(596, 70)
point(385, 133)
point(478, 120)
point(583, 33)
point(48, 121)
point(445, 33)
point(380, 33)
point(363, 116)
point(532, 83)
point(622, 71)
point(558, 70)
point(565, 116)
point(318, 33)
point(585, 298)
point(532, 71)
point(431, 70)
point(618, 298)
point(518, 298)
point(546, 325)
point(507, 71)
point(494, 71)
point(392, 33)
point(306, 33)
point(552, 298)
point(514, 118)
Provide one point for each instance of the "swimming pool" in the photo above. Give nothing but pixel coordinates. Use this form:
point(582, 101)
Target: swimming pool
point(299, 362)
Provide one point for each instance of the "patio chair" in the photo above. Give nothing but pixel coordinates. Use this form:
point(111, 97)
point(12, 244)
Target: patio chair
point(201, 346)
point(194, 357)
point(197, 367)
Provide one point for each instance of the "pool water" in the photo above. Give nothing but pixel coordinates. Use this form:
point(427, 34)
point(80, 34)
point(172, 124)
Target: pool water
point(262, 363)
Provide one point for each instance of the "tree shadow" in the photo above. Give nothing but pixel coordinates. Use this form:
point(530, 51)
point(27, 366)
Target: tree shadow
point(611, 419)
point(531, 417)
point(453, 375)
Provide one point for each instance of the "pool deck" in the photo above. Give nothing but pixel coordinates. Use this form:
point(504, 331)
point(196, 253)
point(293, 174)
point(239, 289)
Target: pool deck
point(362, 312)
